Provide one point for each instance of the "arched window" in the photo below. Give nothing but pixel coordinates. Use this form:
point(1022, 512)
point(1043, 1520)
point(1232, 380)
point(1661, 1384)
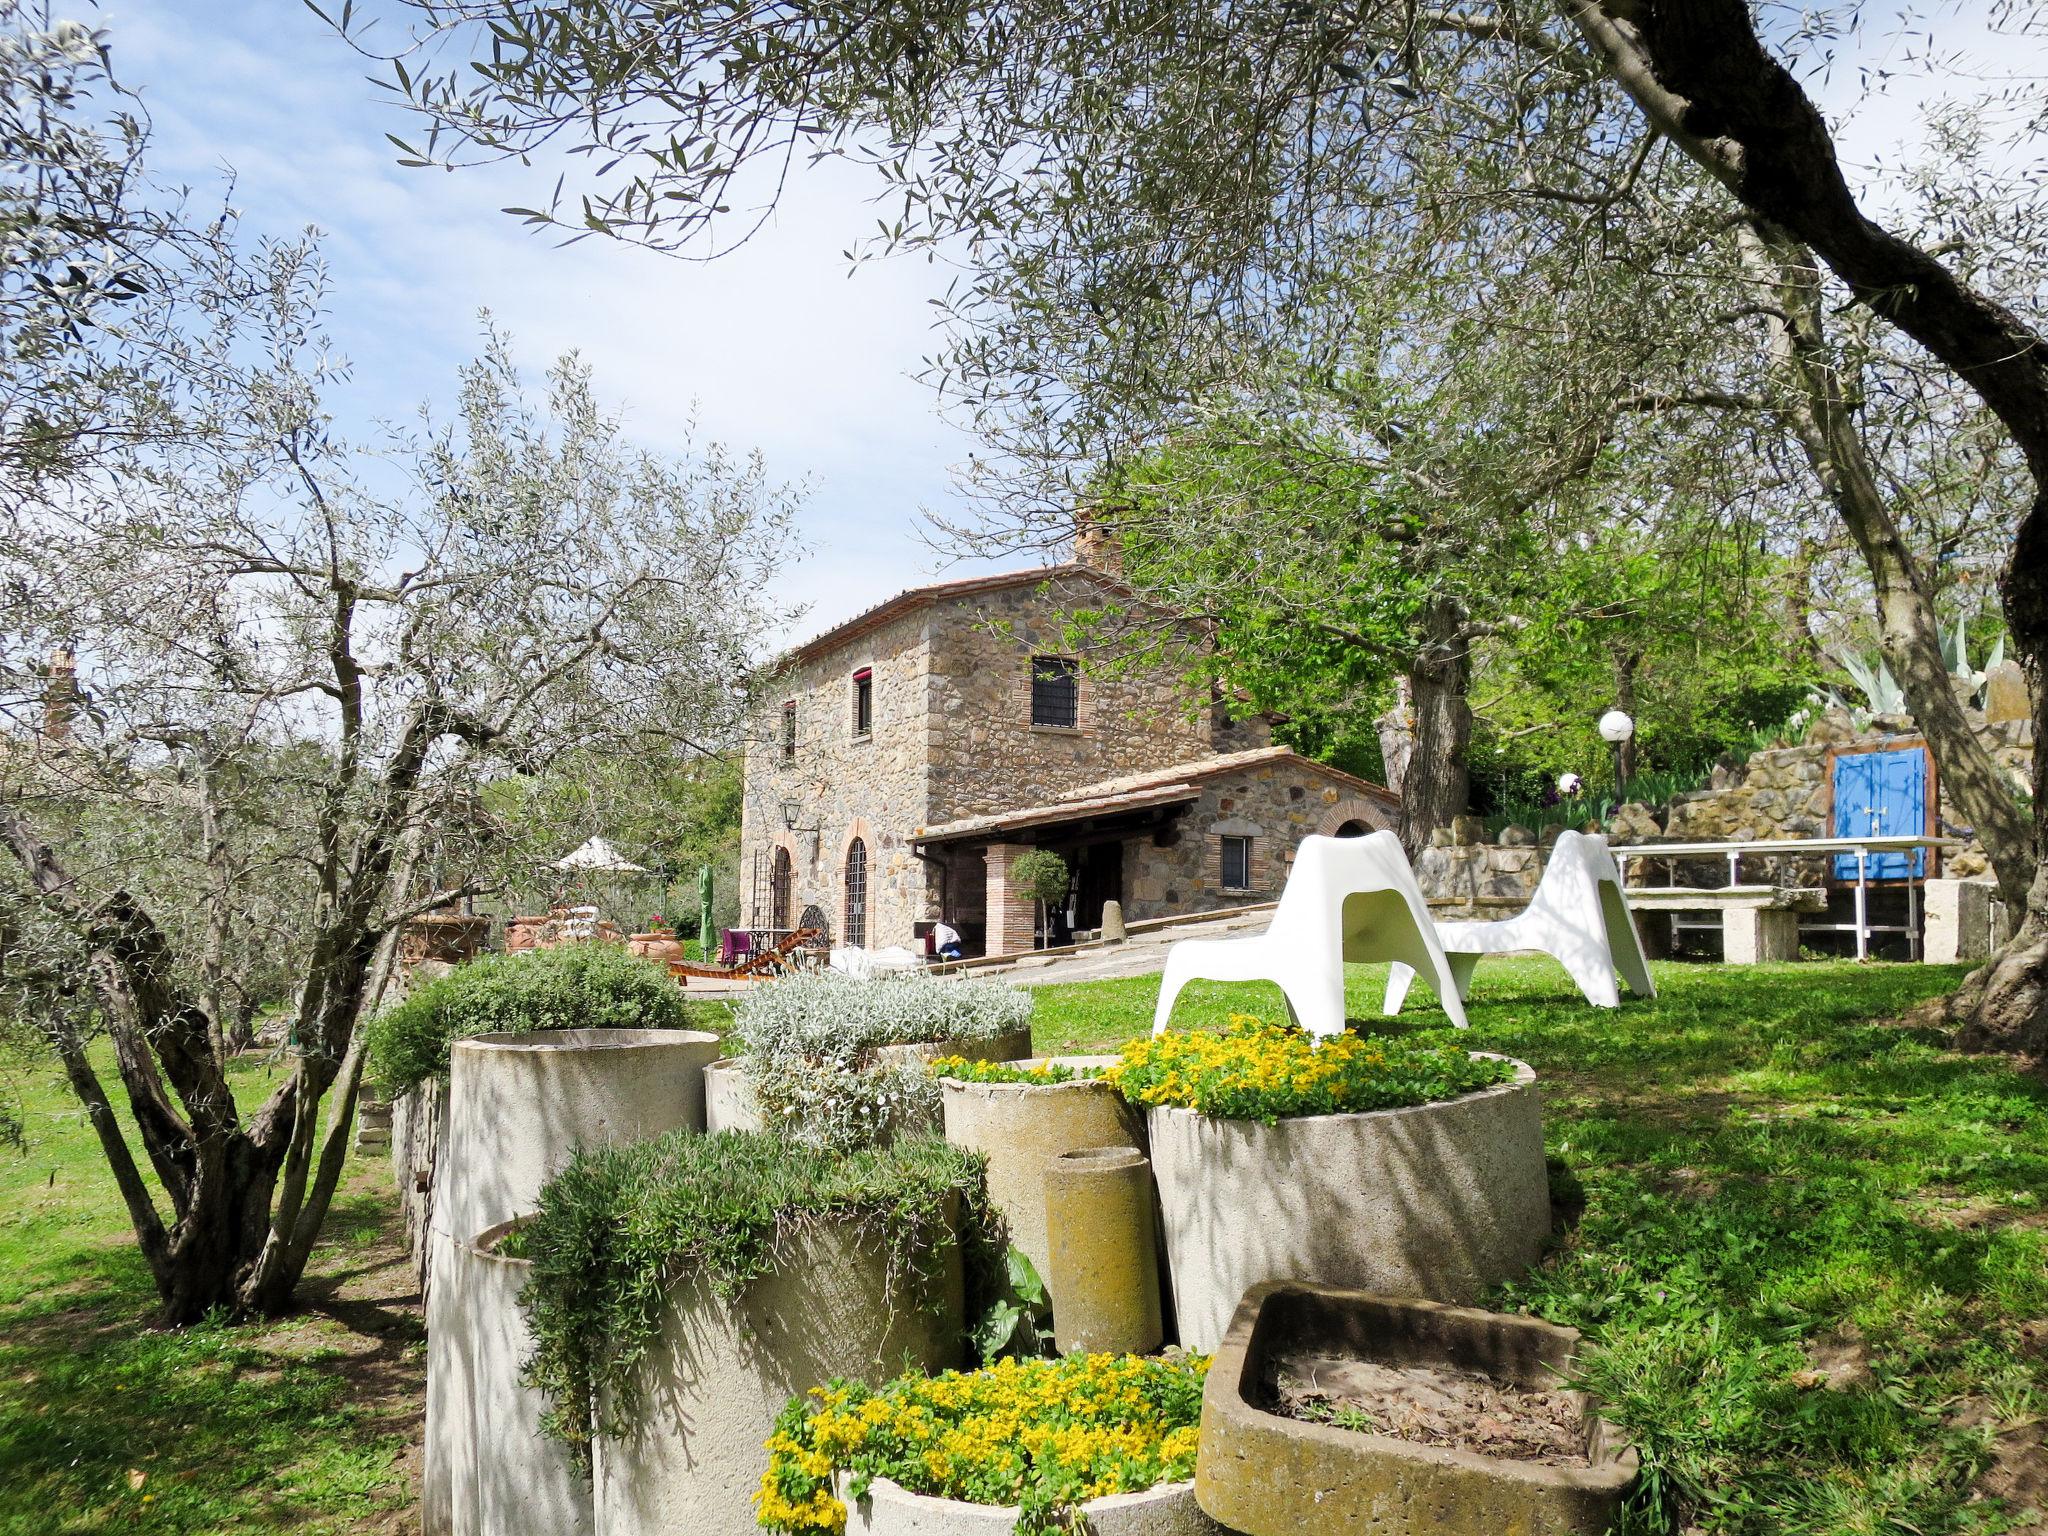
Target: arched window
point(779, 885)
point(856, 928)
point(1353, 828)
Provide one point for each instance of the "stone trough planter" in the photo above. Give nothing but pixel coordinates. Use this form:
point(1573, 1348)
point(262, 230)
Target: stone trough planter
point(1266, 1474)
point(1439, 1201)
point(1021, 1127)
point(717, 1375)
point(488, 1470)
point(520, 1104)
point(891, 1510)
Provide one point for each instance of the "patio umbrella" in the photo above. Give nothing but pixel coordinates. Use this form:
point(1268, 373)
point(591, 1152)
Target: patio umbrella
point(599, 854)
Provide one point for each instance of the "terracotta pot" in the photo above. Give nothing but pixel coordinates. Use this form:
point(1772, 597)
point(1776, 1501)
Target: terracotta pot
point(656, 946)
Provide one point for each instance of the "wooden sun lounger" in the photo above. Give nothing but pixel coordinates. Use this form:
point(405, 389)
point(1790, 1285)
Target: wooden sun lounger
point(769, 962)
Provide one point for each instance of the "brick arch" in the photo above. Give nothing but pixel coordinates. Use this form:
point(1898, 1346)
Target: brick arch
point(859, 828)
point(1377, 817)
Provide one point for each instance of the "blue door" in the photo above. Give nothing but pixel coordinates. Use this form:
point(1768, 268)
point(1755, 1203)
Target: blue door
point(1881, 794)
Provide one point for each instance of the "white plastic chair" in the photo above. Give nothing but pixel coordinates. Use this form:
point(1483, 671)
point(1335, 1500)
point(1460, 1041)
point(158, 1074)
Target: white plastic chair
point(1579, 916)
point(1347, 898)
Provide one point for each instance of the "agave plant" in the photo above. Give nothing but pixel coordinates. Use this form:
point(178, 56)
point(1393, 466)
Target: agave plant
point(1882, 694)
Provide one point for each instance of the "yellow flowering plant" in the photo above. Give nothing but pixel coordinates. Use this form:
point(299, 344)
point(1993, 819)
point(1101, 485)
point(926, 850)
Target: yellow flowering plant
point(960, 1069)
point(1045, 1435)
point(1260, 1071)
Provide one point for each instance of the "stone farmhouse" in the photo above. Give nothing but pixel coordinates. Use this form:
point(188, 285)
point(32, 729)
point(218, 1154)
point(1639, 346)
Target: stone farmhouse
point(913, 752)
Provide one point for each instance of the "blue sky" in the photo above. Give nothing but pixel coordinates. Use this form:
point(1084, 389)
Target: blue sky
point(775, 347)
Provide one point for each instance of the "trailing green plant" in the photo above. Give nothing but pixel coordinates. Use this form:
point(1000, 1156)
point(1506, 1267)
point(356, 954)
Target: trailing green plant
point(573, 986)
point(961, 1070)
point(1260, 1071)
point(623, 1225)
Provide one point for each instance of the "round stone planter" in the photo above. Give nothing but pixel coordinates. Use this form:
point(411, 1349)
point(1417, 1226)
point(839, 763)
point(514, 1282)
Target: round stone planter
point(891, 1510)
point(1021, 1127)
point(1440, 1201)
point(520, 1104)
point(713, 1381)
point(488, 1469)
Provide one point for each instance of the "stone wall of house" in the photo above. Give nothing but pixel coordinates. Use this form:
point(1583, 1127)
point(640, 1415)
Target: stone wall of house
point(845, 786)
point(984, 753)
point(1180, 868)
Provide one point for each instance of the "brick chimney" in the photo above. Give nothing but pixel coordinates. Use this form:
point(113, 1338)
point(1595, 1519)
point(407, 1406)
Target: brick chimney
point(1096, 543)
point(60, 694)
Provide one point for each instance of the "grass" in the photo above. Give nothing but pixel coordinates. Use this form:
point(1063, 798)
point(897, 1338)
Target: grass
point(1811, 1243)
point(300, 1425)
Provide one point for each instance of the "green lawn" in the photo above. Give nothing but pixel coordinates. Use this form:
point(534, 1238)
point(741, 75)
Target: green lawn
point(299, 1426)
point(1813, 1244)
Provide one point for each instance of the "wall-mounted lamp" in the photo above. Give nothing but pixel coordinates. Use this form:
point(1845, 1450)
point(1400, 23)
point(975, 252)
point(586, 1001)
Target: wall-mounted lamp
point(790, 811)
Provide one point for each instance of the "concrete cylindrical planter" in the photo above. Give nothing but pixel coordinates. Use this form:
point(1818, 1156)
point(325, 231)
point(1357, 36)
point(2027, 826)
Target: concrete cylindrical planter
point(488, 1469)
point(891, 1510)
point(730, 1103)
point(713, 1381)
point(1103, 1261)
point(520, 1104)
point(1022, 1126)
point(1439, 1201)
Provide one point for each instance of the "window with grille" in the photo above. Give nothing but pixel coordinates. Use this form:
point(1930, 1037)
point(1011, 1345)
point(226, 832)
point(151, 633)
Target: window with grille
point(1237, 863)
point(857, 895)
point(789, 732)
point(863, 701)
point(779, 887)
point(1055, 691)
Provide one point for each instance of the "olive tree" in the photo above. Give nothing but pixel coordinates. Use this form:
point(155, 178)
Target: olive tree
point(1183, 177)
point(299, 667)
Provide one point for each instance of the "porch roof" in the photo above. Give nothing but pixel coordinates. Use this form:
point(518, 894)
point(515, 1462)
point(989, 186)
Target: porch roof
point(1059, 812)
point(1157, 787)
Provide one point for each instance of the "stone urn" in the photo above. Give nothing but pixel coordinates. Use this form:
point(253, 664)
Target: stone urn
point(661, 946)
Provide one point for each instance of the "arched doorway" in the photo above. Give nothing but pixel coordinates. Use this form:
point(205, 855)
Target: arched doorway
point(856, 925)
point(1352, 828)
point(779, 885)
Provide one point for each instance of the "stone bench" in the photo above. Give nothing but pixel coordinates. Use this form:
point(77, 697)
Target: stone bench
point(1759, 923)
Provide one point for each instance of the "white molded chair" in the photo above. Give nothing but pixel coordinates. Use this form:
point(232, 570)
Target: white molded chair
point(1347, 898)
point(1579, 917)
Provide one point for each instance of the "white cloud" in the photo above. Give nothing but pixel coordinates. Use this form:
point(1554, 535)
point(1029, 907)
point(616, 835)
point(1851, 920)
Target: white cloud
point(774, 347)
